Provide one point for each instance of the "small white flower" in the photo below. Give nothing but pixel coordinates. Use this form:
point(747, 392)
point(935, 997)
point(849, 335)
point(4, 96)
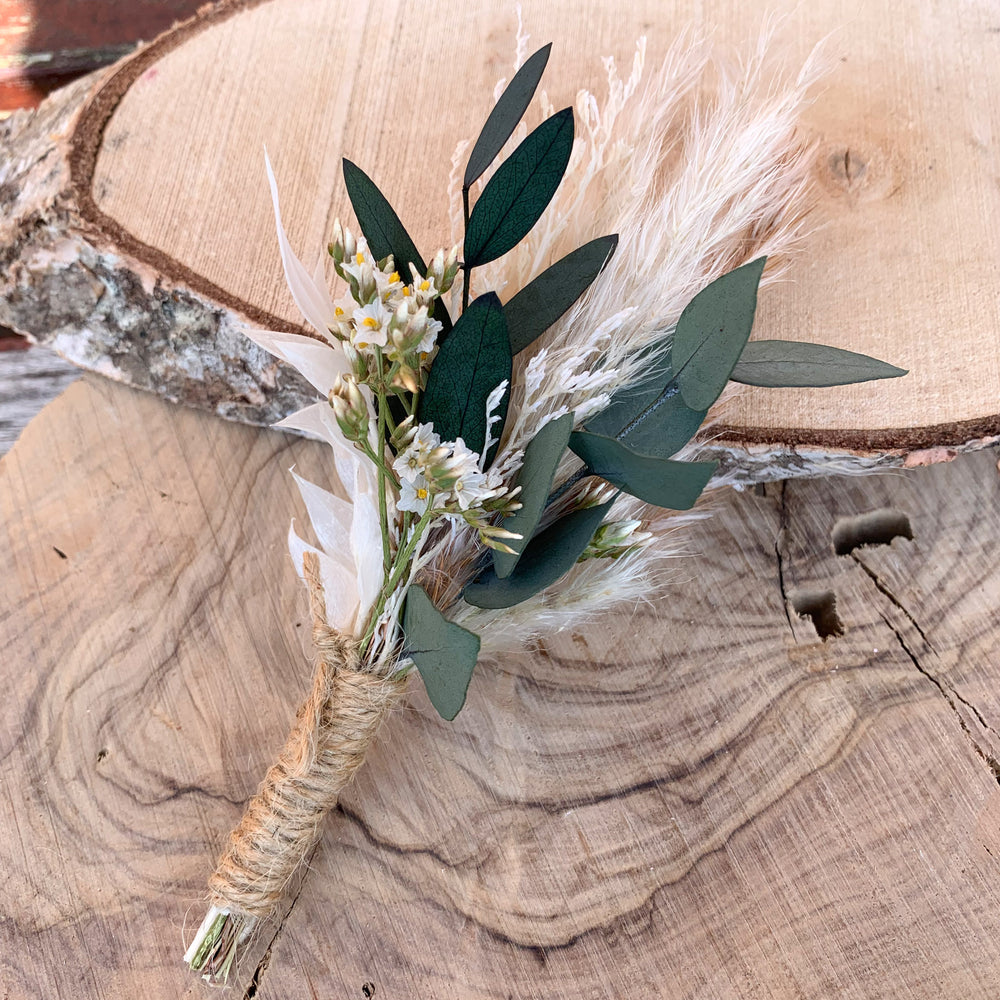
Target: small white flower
point(425, 440)
point(389, 285)
point(409, 465)
point(370, 326)
point(360, 266)
point(462, 462)
point(414, 495)
point(471, 489)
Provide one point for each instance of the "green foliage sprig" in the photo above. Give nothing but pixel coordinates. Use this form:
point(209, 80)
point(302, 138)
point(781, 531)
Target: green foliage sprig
point(466, 388)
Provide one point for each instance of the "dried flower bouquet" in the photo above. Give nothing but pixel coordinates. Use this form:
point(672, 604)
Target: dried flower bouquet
point(509, 463)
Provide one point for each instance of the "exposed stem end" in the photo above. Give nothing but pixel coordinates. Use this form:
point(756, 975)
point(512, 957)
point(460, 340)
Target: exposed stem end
point(213, 950)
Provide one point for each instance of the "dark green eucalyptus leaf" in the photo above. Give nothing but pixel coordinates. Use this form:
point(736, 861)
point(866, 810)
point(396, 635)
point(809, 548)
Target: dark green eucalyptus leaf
point(659, 481)
point(651, 417)
point(379, 223)
point(505, 115)
point(445, 653)
point(471, 363)
point(519, 191)
point(541, 458)
point(780, 363)
point(542, 301)
point(548, 556)
point(711, 333)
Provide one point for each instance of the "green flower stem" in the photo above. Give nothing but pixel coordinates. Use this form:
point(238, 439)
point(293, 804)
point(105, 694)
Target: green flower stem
point(382, 508)
point(399, 567)
point(466, 270)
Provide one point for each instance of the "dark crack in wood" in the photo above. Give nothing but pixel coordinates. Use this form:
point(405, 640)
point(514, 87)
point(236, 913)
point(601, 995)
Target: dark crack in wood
point(950, 696)
point(779, 543)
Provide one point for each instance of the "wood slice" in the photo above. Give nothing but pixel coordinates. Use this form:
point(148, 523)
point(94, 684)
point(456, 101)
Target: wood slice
point(700, 799)
point(163, 236)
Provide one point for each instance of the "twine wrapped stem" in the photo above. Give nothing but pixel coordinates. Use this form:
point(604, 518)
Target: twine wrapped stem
point(282, 822)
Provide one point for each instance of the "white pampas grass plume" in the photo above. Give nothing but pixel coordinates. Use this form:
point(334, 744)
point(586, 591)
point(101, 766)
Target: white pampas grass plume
point(699, 167)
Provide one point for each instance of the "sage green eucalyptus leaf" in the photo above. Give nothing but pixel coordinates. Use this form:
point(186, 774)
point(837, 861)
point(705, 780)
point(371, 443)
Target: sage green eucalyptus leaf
point(519, 191)
point(659, 481)
point(541, 458)
point(542, 301)
point(711, 333)
point(471, 363)
point(445, 654)
point(547, 557)
point(782, 363)
point(651, 417)
point(505, 115)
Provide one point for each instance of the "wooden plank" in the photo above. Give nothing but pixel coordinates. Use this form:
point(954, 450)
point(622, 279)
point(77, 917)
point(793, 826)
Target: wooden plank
point(29, 378)
point(904, 169)
point(140, 235)
point(700, 799)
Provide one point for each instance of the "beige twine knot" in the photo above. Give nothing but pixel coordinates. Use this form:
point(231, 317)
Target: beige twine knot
point(327, 745)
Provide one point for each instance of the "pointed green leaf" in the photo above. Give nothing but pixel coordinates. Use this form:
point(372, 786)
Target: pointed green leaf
point(541, 458)
point(519, 191)
point(505, 115)
point(445, 653)
point(386, 234)
point(471, 363)
point(779, 363)
point(659, 481)
point(548, 556)
point(711, 333)
point(379, 223)
point(542, 301)
point(651, 417)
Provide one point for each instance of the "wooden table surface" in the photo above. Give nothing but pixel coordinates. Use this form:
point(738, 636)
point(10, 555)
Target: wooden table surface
point(696, 798)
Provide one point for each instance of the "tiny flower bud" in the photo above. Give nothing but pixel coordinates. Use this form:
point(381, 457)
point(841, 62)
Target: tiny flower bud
point(357, 361)
point(350, 408)
point(449, 271)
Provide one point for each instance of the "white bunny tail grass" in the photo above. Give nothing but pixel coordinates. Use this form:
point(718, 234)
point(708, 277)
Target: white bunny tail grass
point(700, 168)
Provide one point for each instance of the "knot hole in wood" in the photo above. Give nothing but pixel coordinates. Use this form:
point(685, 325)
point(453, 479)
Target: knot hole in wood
point(876, 527)
point(820, 606)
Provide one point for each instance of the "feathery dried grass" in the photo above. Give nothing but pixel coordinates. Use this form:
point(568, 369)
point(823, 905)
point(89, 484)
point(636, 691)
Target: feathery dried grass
point(700, 167)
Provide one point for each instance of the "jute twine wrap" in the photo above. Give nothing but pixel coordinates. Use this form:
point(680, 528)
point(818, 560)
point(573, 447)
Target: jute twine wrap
point(328, 743)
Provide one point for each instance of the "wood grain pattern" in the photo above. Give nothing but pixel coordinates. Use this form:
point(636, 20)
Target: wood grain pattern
point(700, 799)
point(906, 167)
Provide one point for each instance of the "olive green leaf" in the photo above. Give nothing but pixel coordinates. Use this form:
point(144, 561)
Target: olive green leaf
point(519, 191)
point(711, 333)
point(379, 223)
point(471, 363)
point(541, 458)
point(659, 481)
point(650, 417)
point(542, 301)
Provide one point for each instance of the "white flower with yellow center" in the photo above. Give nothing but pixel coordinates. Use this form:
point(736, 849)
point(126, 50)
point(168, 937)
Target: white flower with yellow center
point(371, 324)
point(471, 489)
point(414, 494)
